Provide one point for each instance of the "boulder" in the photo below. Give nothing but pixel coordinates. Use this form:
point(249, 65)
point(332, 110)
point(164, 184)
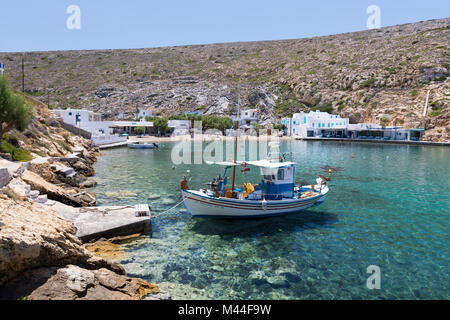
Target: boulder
point(5, 177)
point(52, 191)
point(74, 283)
point(31, 237)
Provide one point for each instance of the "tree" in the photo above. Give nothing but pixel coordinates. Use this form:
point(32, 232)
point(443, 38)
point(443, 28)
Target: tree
point(139, 130)
point(161, 124)
point(14, 113)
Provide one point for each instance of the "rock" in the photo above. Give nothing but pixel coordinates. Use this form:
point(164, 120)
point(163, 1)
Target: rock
point(104, 92)
point(41, 167)
point(19, 187)
point(5, 177)
point(74, 283)
point(52, 191)
point(15, 169)
point(278, 281)
point(31, 237)
point(6, 156)
point(78, 279)
point(88, 184)
point(158, 296)
point(42, 198)
point(219, 107)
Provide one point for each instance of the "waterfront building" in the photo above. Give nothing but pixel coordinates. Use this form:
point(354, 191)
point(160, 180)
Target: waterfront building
point(102, 132)
point(128, 127)
point(324, 125)
point(315, 124)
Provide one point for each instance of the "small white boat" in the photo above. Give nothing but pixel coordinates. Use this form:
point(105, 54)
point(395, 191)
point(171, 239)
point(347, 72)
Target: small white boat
point(275, 195)
point(137, 145)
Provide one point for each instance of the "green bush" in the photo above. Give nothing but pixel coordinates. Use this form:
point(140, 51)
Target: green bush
point(18, 154)
point(436, 113)
point(65, 145)
point(14, 112)
point(368, 83)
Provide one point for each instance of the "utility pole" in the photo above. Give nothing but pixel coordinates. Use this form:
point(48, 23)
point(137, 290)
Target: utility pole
point(23, 75)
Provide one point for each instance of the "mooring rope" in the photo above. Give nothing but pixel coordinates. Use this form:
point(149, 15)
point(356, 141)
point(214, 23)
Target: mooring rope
point(157, 215)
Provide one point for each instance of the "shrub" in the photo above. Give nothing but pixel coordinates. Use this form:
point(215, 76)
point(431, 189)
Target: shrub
point(368, 83)
point(14, 113)
point(17, 153)
point(414, 93)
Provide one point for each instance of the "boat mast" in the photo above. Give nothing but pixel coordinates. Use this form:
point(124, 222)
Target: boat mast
point(235, 142)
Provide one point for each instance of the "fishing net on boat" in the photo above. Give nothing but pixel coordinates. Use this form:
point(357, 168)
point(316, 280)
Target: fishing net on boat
point(308, 194)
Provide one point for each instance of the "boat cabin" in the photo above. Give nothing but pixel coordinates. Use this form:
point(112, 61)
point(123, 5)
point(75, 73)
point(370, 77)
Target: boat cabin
point(278, 179)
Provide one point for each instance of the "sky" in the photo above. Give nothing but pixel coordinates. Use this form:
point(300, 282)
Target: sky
point(115, 24)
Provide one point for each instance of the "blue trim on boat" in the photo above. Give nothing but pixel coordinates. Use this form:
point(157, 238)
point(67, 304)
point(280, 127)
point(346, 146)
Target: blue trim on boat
point(290, 201)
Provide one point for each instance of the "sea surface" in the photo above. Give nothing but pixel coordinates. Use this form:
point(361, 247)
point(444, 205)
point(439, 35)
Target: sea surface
point(388, 206)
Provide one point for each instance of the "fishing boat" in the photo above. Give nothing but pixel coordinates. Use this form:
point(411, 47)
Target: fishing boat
point(137, 145)
point(276, 194)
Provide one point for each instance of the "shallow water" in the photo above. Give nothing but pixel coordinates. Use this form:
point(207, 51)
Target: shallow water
point(388, 206)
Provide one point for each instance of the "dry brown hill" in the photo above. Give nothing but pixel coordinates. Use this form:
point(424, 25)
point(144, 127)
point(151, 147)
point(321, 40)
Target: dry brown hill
point(359, 75)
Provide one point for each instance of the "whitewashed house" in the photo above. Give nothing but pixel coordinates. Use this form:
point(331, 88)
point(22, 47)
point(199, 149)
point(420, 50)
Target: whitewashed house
point(317, 124)
point(247, 118)
point(86, 120)
point(143, 113)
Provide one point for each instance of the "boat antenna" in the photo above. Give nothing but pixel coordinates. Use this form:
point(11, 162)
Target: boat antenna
point(235, 142)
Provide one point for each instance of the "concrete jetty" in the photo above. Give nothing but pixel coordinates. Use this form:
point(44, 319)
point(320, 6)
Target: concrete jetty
point(113, 145)
point(104, 222)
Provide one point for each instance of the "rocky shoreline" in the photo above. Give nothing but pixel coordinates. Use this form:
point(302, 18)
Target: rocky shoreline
point(40, 255)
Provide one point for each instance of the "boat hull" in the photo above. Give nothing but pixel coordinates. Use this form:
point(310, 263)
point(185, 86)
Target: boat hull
point(141, 146)
point(199, 204)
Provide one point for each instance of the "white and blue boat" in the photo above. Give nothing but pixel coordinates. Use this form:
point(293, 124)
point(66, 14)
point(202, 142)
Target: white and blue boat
point(276, 194)
point(137, 145)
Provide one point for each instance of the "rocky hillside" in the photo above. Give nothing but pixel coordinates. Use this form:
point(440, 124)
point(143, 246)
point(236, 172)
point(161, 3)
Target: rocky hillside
point(360, 75)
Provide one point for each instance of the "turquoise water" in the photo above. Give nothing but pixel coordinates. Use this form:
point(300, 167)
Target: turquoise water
point(388, 206)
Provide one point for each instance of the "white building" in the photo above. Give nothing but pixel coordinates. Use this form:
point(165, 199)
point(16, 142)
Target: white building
point(314, 124)
point(143, 113)
point(288, 124)
point(102, 132)
point(323, 125)
point(247, 118)
point(86, 120)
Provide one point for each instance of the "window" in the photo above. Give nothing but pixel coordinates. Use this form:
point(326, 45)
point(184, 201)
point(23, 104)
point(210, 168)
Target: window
point(280, 174)
point(70, 113)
